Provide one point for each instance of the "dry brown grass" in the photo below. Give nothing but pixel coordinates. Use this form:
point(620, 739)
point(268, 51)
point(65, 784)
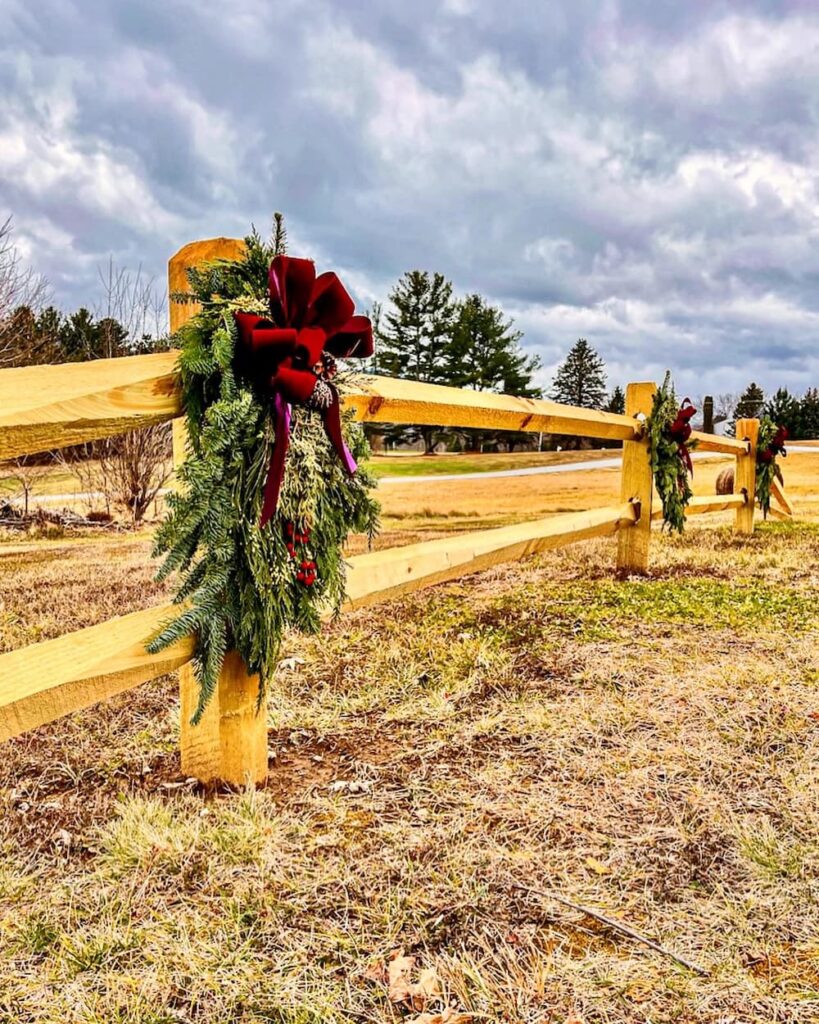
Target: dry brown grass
point(645, 747)
point(498, 500)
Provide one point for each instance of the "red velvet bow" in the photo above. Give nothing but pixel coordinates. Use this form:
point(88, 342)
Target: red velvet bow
point(288, 356)
point(680, 431)
point(775, 447)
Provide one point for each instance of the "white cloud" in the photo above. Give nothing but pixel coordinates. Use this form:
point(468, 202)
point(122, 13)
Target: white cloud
point(645, 178)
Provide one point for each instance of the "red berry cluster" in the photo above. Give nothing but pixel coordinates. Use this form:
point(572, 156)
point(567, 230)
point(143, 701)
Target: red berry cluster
point(307, 572)
point(307, 567)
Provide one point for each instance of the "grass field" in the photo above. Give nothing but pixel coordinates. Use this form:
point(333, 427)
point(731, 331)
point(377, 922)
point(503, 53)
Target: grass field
point(441, 767)
point(61, 481)
point(423, 465)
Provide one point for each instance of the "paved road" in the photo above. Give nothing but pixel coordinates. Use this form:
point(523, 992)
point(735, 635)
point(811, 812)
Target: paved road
point(561, 467)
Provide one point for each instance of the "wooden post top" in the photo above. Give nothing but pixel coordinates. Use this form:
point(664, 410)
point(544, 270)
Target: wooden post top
point(192, 255)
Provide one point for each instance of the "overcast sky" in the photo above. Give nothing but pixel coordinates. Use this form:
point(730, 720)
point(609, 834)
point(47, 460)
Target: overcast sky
point(643, 174)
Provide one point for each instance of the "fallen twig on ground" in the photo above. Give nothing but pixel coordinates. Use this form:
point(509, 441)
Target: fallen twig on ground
point(616, 925)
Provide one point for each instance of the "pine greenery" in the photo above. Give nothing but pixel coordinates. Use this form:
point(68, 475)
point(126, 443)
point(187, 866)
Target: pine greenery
point(767, 467)
point(413, 334)
point(581, 379)
point(411, 338)
point(670, 472)
point(784, 409)
point(237, 582)
point(483, 352)
point(617, 401)
point(809, 415)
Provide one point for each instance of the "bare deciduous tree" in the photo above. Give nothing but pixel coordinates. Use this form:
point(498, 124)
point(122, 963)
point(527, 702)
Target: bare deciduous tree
point(134, 303)
point(26, 470)
point(724, 406)
point(134, 467)
point(81, 462)
point(127, 471)
point(19, 286)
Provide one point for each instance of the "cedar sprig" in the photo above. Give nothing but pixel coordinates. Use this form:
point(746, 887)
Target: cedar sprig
point(668, 464)
point(770, 445)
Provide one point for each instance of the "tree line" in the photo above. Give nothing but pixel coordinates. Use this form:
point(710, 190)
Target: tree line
point(125, 472)
point(423, 331)
point(427, 333)
point(800, 415)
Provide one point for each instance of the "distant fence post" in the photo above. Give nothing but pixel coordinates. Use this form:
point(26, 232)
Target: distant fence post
point(708, 415)
point(745, 475)
point(230, 742)
point(636, 484)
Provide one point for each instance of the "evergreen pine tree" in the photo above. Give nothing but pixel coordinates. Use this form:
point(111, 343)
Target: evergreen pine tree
point(278, 239)
point(417, 328)
point(48, 327)
point(483, 352)
point(33, 338)
point(784, 410)
point(617, 401)
point(749, 407)
point(111, 340)
point(79, 336)
point(809, 415)
point(581, 379)
point(415, 333)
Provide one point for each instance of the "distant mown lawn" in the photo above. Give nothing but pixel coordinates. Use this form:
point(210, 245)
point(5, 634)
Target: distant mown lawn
point(469, 462)
point(646, 748)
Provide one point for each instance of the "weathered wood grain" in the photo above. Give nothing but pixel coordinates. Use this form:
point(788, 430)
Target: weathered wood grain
point(194, 254)
point(715, 443)
point(45, 681)
point(704, 503)
point(381, 575)
point(778, 493)
point(229, 744)
point(391, 400)
point(43, 407)
point(637, 483)
point(745, 475)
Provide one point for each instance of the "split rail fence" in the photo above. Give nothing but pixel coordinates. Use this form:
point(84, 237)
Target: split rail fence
point(47, 407)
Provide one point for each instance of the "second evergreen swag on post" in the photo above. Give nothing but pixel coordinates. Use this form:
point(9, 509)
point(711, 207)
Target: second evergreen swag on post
point(669, 430)
point(241, 585)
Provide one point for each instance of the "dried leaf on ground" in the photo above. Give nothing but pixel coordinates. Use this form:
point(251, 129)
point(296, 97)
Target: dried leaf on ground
point(401, 987)
point(376, 971)
point(399, 972)
point(447, 1016)
point(427, 987)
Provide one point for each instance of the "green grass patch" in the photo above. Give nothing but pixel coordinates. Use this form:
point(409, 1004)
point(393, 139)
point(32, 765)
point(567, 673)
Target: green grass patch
point(601, 610)
point(445, 465)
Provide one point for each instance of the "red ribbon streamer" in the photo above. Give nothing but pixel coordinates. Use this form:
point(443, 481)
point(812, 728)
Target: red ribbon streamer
point(680, 431)
point(310, 318)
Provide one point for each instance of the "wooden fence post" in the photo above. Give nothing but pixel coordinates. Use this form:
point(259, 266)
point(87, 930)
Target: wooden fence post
point(636, 484)
point(230, 742)
point(745, 475)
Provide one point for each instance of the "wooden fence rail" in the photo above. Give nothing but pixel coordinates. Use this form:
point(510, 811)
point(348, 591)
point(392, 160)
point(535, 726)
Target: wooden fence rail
point(45, 407)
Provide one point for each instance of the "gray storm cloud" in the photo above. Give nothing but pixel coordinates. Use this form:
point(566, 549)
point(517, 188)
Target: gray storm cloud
point(644, 175)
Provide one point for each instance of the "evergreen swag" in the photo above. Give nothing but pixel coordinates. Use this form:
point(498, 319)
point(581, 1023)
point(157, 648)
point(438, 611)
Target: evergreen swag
point(241, 585)
point(770, 443)
point(669, 448)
